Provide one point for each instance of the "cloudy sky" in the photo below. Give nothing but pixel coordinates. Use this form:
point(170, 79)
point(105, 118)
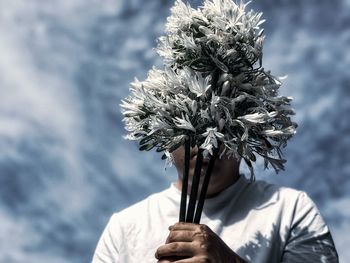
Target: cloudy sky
point(64, 68)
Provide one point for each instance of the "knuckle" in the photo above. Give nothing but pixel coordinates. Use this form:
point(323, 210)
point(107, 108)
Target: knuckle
point(171, 237)
point(204, 247)
point(203, 228)
point(195, 235)
point(173, 246)
point(201, 237)
point(205, 236)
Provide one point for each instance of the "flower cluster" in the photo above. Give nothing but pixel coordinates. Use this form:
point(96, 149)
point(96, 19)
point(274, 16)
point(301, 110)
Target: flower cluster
point(212, 89)
point(219, 35)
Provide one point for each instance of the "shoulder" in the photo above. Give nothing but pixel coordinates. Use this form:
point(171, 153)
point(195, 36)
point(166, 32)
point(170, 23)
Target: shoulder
point(126, 230)
point(292, 199)
point(264, 187)
point(290, 206)
point(307, 235)
point(265, 193)
point(130, 223)
point(302, 228)
point(135, 210)
point(146, 209)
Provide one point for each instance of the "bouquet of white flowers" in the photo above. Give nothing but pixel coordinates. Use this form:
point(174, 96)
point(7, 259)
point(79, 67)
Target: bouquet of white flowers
point(212, 91)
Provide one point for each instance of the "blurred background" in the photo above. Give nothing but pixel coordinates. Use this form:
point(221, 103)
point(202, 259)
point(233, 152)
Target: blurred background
point(65, 65)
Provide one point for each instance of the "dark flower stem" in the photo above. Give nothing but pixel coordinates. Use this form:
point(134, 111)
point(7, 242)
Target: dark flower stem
point(204, 188)
point(197, 174)
point(194, 188)
point(182, 217)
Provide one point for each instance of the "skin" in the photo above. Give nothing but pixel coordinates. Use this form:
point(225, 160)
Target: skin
point(195, 243)
point(224, 174)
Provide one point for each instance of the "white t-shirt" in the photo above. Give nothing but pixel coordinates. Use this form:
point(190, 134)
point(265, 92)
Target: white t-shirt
point(261, 222)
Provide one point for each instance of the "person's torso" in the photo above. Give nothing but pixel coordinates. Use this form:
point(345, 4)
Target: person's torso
point(252, 219)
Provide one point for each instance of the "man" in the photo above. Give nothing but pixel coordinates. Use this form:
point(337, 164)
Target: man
point(243, 221)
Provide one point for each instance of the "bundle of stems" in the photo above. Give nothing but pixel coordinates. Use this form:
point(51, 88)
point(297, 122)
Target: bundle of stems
point(193, 213)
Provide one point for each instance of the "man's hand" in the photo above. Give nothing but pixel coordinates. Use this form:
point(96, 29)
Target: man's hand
point(193, 243)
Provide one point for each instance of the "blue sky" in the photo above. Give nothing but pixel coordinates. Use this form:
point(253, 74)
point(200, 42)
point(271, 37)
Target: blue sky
point(64, 68)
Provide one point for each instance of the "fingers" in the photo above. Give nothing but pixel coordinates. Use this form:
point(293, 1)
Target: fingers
point(168, 260)
point(186, 242)
point(190, 227)
point(176, 249)
point(184, 226)
point(193, 243)
point(186, 260)
point(180, 236)
point(187, 232)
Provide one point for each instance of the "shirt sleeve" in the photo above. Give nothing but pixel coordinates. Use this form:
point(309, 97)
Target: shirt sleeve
point(309, 237)
point(107, 246)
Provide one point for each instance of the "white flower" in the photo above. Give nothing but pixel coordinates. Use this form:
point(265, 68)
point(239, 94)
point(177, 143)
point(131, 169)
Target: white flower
point(196, 82)
point(189, 42)
point(158, 124)
point(211, 139)
point(258, 117)
point(194, 107)
point(181, 17)
point(184, 123)
point(130, 109)
point(275, 133)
